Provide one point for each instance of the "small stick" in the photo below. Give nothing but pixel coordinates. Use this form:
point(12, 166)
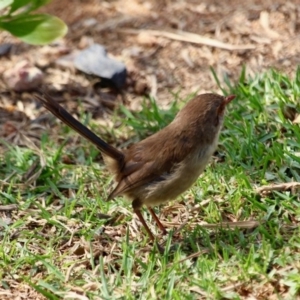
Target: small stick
point(278, 187)
point(8, 207)
point(190, 37)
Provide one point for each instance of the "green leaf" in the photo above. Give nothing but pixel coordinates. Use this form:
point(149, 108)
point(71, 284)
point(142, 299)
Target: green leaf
point(34, 4)
point(38, 3)
point(18, 4)
point(5, 3)
point(36, 29)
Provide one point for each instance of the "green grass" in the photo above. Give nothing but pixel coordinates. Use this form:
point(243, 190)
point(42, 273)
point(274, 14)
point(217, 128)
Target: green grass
point(64, 239)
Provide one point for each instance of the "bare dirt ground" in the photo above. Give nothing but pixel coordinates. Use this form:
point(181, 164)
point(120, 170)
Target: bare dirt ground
point(257, 34)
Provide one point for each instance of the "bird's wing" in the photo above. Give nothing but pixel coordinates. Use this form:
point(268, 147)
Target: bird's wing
point(136, 176)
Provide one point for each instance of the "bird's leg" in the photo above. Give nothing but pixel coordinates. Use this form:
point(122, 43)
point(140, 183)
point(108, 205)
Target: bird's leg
point(141, 218)
point(155, 217)
point(136, 205)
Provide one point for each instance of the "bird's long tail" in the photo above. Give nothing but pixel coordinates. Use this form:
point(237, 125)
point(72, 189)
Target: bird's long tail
point(57, 110)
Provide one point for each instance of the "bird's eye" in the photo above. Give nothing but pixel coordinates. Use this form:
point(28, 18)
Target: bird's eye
point(217, 120)
point(220, 112)
point(221, 109)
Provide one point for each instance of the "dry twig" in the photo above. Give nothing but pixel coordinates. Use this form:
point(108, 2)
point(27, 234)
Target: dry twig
point(278, 187)
point(190, 37)
point(8, 207)
point(239, 224)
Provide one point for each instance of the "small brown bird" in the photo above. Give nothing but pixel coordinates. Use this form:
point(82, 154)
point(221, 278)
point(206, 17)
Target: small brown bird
point(164, 165)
